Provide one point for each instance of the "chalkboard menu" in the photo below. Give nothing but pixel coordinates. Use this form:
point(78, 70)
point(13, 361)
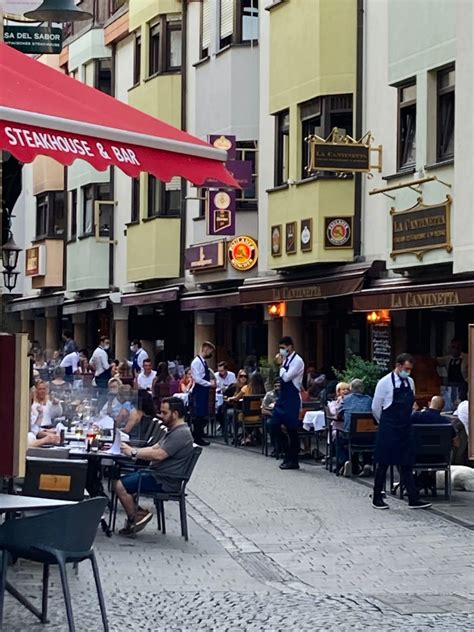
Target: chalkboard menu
point(382, 346)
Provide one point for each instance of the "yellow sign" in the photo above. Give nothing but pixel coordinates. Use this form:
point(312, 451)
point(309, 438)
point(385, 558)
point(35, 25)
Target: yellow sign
point(54, 483)
point(243, 253)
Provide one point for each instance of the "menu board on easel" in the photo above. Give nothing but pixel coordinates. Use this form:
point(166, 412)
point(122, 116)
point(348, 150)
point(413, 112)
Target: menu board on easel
point(381, 337)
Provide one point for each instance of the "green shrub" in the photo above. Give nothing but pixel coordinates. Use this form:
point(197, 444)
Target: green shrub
point(358, 368)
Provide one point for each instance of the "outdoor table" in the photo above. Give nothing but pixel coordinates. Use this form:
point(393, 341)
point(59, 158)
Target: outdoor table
point(314, 420)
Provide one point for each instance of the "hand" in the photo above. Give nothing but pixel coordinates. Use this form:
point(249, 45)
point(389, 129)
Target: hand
point(213, 383)
point(279, 358)
point(126, 449)
point(416, 406)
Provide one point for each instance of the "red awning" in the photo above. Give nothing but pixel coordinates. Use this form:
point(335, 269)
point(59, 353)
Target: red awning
point(43, 111)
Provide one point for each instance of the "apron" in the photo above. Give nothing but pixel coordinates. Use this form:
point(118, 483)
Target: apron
point(288, 405)
point(456, 378)
point(394, 445)
point(135, 366)
point(200, 394)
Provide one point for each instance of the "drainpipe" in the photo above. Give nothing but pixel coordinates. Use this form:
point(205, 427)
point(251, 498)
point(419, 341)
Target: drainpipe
point(358, 125)
point(184, 49)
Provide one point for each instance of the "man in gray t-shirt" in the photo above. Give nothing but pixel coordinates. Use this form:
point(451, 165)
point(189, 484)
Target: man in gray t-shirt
point(169, 459)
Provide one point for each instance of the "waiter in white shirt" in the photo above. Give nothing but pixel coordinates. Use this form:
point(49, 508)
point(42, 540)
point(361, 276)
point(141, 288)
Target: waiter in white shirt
point(139, 356)
point(392, 407)
point(70, 364)
point(203, 381)
point(288, 405)
point(100, 363)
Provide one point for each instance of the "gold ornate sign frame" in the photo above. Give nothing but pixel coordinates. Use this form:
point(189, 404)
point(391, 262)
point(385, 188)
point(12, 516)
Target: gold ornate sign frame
point(420, 252)
point(337, 139)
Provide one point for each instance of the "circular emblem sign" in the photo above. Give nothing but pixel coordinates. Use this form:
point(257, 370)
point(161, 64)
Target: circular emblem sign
point(338, 232)
point(243, 253)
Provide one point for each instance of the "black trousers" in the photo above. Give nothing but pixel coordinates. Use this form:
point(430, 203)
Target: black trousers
point(407, 478)
point(199, 424)
point(290, 443)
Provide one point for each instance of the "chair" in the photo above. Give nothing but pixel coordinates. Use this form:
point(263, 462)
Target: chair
point(250, 416)
point(330, 444)
point(160, 498)
point(362, 435)
point(62, 479)
point(160, 391)
point(56, 537)
point(433, 446)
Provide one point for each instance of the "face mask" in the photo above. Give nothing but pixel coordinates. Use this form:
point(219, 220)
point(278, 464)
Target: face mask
point(283, 352)
point(404, 374)
point(133, 348)
point(106, 347)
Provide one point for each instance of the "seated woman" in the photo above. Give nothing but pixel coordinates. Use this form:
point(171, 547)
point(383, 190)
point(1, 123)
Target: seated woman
point(58, 385)
point(256, 386)
point(112, 406)
point(186, 383)
point(44, 409)
point(242, 386)
point(162, 373)
point(125, 399)
point(144, 412)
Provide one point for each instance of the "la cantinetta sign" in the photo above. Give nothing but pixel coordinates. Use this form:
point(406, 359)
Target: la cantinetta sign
point(342, 154)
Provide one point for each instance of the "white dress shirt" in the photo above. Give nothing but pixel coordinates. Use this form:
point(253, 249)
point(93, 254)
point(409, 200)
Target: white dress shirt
point(198, 371)
point(383, 396)
point(146, 381)
point(462, 413)
point(141, 357)
point(42, 415)
point(71, 360)
point(292, 370)
point(225, 382)
point(100, 361)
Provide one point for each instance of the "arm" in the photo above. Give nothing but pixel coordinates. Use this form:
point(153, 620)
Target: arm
point(295, 368)
point(377, 403)
point(153, 453)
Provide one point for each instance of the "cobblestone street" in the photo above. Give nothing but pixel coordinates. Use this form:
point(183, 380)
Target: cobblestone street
point(273, 551)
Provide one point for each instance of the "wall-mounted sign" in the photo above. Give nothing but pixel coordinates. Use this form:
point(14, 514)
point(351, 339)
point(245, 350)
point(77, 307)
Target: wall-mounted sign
point(342, 153)
point(337, 232)
point(34, 40)
point(205, 257)
point(306, 235)
point(221, 213)
point(226, 142)
point(35, 261)
point(243, 253)
point(381, 340)
point(240, 169)
point(276, 239)
point(421, 228)
point(290, 238)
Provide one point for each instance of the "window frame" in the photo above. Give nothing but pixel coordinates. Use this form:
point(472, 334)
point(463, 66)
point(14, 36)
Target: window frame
point(165, 25)
point(73, 231)
point(97, 65)
point(49, 202)
point(96, 197)
point(135, 202)
point(157, 192)
point(204, 52)
point(137, 60)
point(441, 94)
point(280, 133)
point(402, 165)
point(236, 37)
point(243, 149)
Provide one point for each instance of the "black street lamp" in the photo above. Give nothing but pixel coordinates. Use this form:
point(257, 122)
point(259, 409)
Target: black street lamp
point(58, 11)
point(10, 253)
point(10, 279)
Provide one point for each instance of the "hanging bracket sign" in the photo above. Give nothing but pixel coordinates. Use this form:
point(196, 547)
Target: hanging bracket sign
point(343, 154)
point(34, 40)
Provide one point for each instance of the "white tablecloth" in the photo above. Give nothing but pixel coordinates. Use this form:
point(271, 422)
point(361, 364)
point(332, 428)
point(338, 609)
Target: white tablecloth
point(314, 420)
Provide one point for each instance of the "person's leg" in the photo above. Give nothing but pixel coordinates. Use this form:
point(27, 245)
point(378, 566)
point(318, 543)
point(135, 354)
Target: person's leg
point(199, 424)
point(293, 449)
point(409, 483)
point(125, 498)
point(379, 481)
point(126, 488)
point(342, 453)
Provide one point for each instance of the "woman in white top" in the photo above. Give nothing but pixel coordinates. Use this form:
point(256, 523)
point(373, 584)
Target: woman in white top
point(43, 409)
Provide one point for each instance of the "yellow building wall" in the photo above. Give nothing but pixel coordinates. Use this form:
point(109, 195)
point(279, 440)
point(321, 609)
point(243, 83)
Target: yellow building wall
point(160, 97)
point(153, 249)
point(322, 38)
point(142, 11)
point(48, 175)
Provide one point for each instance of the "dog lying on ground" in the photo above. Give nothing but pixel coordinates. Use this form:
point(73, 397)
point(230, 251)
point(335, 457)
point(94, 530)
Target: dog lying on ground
point(462, 478)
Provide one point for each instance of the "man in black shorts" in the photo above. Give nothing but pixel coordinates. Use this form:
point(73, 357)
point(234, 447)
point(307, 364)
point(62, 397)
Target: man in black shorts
point(168, 459)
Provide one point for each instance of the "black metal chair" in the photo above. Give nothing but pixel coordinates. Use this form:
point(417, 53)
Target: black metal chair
point(330, 444)
point(62, 479)
point(362, 435)
point(433, 445)
point(250, 416)
point(160, 498)
point(56, 537)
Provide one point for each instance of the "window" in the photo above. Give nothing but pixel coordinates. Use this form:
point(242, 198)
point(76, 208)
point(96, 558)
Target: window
point(319, 117)
point(135, 214)
point(282, 147)
point(164, 199)
point(445, 114)
point(205, 29)
point(406, 126)
point(115, 5)
point(165, 45)
point(103, 75)
point(50, 215)
point(247, 199)
point(238, 22)
point(73, 214)
point(137, 60)
point(91, 193)
point(155, 42)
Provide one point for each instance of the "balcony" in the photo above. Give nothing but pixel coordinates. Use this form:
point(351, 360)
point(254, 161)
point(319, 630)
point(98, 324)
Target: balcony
point(153, 249)
point(159, 96)
point(44, 264)
point(87, 265)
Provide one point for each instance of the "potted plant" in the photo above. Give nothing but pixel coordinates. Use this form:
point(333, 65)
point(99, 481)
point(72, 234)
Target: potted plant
point(358, 368)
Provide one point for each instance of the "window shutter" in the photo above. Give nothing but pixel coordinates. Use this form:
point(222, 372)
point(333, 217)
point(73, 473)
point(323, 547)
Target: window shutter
point(206, 25)
point(227, 18)
point(174, 184)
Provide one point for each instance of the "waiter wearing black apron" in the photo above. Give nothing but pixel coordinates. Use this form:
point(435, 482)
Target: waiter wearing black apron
point(288, 405)
point(456, 365)
point(199, 397)
point(392, 407)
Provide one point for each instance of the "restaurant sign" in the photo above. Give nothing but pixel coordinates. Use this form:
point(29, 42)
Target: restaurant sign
point(421, 228)
point(34, 40)
point(413, 298)
point(221, 213)
point(35, 261)
point(205, 257)
point(342, 153)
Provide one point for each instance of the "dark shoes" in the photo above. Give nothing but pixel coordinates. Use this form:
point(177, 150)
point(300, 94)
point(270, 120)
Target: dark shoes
point(378, 503)
point(289, 466)
point(418, 504)
point(202, 442)
point(136, 524)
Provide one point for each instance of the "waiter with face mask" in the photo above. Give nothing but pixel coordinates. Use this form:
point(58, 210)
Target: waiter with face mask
point(392, 407)
point(203, 380)
point(139, 357)
point(288, 405)
point(456, 366)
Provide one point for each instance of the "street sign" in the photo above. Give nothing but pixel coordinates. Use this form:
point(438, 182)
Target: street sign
point(34, 40)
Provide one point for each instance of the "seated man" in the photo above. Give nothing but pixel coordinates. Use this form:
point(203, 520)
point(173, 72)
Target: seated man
point(146, 377)
point(355, 402)
point(268, 404)
point(168, 459)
